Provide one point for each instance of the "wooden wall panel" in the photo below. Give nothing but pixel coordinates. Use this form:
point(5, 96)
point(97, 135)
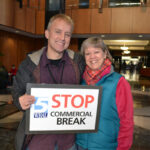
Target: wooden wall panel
point(82, 20)
point(68, 12)
point(68, 4)
point(8, 48)
point(148, 3)
point(42, 5)
point(19, 17)
point(74, 45)
point(33, 4)
point(141, 20)
point(6, 12)
point(25, 3)
point(101, 22)
point(71, 4)
point(93, 4)
point(121, 20)
point(15, 47)
point(30, 20)
point(24, 18)
point(40, 21)
point(37, 4)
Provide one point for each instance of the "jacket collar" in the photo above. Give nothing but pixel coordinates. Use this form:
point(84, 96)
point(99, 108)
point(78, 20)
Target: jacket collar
point(36, 56)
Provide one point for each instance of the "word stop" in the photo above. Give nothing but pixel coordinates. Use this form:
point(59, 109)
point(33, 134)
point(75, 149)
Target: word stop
point(77, 101)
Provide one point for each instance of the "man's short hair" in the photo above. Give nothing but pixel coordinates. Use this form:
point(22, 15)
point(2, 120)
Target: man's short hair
point(64, 17)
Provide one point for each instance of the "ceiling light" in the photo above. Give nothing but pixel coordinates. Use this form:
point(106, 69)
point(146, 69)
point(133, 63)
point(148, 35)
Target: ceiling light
point(17, 31)
point(127, 42)
point(124, 48)
point(102, 35)
point(140, 36)
point(131, 48)
point(126, 52)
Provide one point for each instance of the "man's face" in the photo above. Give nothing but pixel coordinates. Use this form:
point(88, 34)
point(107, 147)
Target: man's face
point(58, 35)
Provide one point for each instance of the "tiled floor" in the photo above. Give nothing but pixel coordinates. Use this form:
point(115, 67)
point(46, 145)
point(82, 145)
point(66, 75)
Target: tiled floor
point(10, 116)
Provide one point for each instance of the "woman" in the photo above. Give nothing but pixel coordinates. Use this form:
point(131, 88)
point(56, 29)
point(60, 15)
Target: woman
point(115, 130)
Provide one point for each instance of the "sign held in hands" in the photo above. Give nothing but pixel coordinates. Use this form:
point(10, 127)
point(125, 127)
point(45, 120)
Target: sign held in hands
point(63, 108)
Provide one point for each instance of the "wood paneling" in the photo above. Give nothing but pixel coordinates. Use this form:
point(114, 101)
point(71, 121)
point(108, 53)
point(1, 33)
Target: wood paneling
point(24, 18)
point(30, 20)
point(74, 45)
point(148, 3)
point(68, 4)
point(25, 3)
point(101, 22)
point(82, 20)
point(71, 4)
point(40, 21)
point(68, 12)
point(121, 20)
point(15, 47)
point(8, 49)
point(37, 4)
point(6, 12)
point(145, 72)
point(93, 4)
point(33, 3)
point(19, 17)
point(42, 5)
point(141, 20)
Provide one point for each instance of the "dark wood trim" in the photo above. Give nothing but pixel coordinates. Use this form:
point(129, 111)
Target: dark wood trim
point(115, 36)
point(104, 36)
point(20, 32)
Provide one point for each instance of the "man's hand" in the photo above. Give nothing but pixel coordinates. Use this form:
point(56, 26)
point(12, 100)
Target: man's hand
point(26, 101)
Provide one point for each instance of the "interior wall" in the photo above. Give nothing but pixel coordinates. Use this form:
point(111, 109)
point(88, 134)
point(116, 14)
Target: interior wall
point(74, 44)
point(15, 47)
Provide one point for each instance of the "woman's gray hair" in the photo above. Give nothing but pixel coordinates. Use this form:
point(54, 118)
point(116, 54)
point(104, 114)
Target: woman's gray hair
point(64, 17)
point(95, 42)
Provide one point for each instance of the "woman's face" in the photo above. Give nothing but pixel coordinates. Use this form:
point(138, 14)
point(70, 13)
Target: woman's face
point(94, 57)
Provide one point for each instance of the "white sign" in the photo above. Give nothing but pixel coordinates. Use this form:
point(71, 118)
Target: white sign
point(63, 108)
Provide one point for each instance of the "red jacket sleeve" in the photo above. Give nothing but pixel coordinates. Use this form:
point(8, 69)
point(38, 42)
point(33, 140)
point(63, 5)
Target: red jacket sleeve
point(124, 103)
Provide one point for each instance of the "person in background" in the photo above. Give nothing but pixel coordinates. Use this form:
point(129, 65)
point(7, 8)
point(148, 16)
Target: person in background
point(13, 70)
point(115, 130)
point(124, 65)
point(3, 77)
point(53, 64)
point(12, 73)
point(131, 67)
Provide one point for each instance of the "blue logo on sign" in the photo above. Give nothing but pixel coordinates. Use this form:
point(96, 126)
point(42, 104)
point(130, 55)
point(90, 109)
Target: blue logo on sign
point(41, 107)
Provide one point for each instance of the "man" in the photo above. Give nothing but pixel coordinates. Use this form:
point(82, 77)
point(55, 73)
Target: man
point(53, 64)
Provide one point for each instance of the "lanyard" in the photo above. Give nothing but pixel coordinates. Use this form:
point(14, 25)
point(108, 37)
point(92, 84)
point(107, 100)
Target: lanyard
point(61, 75)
